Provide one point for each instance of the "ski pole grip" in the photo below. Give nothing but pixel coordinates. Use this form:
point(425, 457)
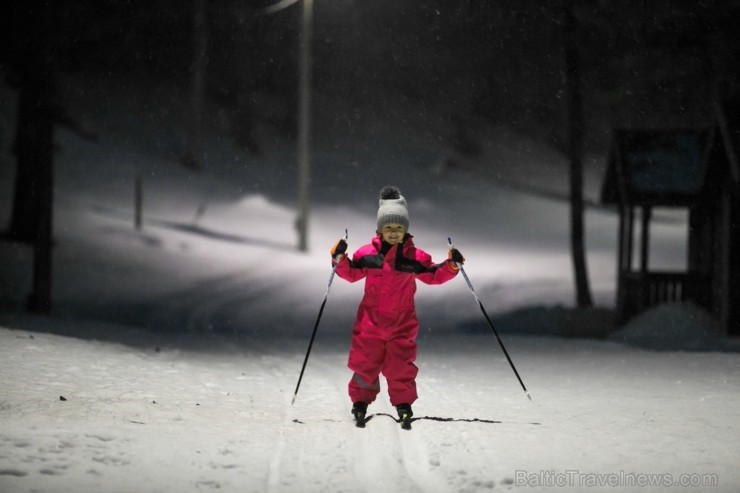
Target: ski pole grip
point(451, 246)
point(346, 237)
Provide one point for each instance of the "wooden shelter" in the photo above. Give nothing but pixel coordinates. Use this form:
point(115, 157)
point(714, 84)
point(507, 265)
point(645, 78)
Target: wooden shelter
point(692, 169)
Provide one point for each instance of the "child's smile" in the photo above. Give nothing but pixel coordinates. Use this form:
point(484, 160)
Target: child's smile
point(392, 233)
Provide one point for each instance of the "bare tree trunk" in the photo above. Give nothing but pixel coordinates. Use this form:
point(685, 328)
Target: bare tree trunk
point(34, 148)
point(34, 101)
point(24, 216)
point(39, 300)
point(575, 154)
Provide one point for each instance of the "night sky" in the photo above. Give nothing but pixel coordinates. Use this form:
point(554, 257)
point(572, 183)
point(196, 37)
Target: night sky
point(657, 63)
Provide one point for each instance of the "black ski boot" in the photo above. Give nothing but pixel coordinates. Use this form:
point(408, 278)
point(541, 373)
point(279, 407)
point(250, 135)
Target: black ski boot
point(359, 410)
point(405, 413)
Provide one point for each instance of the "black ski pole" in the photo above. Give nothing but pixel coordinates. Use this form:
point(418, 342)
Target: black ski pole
point(316, 326)
point(490, 324)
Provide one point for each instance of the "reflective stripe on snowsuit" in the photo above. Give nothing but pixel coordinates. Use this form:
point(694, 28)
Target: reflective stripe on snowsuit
point(385, 328)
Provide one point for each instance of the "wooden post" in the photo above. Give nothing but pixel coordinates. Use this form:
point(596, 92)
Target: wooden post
point(138, 202)
point(630, 238)
point(621, 260)
point(645, 239)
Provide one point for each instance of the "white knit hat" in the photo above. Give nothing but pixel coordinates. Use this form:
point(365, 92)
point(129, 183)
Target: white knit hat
point(392, 208)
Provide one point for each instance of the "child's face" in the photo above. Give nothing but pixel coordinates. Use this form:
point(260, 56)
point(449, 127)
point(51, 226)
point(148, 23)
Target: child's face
point(392, 233)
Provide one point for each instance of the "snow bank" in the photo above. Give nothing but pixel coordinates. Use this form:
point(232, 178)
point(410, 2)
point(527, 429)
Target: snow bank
point(675, 327)
point(557, 321)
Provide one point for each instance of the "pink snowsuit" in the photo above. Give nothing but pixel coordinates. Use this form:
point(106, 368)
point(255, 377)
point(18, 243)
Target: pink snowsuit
point(385, 328)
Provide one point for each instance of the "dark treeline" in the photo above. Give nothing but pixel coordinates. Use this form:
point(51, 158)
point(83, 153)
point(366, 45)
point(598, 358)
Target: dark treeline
point(644, 62)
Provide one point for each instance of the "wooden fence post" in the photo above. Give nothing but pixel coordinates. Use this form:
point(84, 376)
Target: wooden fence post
point(138, 202)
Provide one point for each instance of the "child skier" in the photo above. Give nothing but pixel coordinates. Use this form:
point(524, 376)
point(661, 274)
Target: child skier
point(385, 328)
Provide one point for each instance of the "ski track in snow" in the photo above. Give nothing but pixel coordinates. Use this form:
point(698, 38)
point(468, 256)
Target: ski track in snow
point(381, 458)
point(288, 469)
point(385, 457)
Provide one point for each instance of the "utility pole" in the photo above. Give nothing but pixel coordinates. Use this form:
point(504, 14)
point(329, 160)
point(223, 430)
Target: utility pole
point(304, 124)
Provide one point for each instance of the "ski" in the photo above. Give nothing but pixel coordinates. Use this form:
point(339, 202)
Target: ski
point(359, 414)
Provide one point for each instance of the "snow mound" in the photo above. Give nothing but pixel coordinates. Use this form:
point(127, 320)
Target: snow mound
point(557, 321)
point(675, 327)
point(258, 203)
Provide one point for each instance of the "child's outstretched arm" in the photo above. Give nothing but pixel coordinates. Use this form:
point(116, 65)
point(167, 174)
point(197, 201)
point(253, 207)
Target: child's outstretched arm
point(442, 272)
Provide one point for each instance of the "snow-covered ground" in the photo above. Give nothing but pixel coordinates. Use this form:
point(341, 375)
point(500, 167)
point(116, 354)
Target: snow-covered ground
point(171, 357)
point(197, 417)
